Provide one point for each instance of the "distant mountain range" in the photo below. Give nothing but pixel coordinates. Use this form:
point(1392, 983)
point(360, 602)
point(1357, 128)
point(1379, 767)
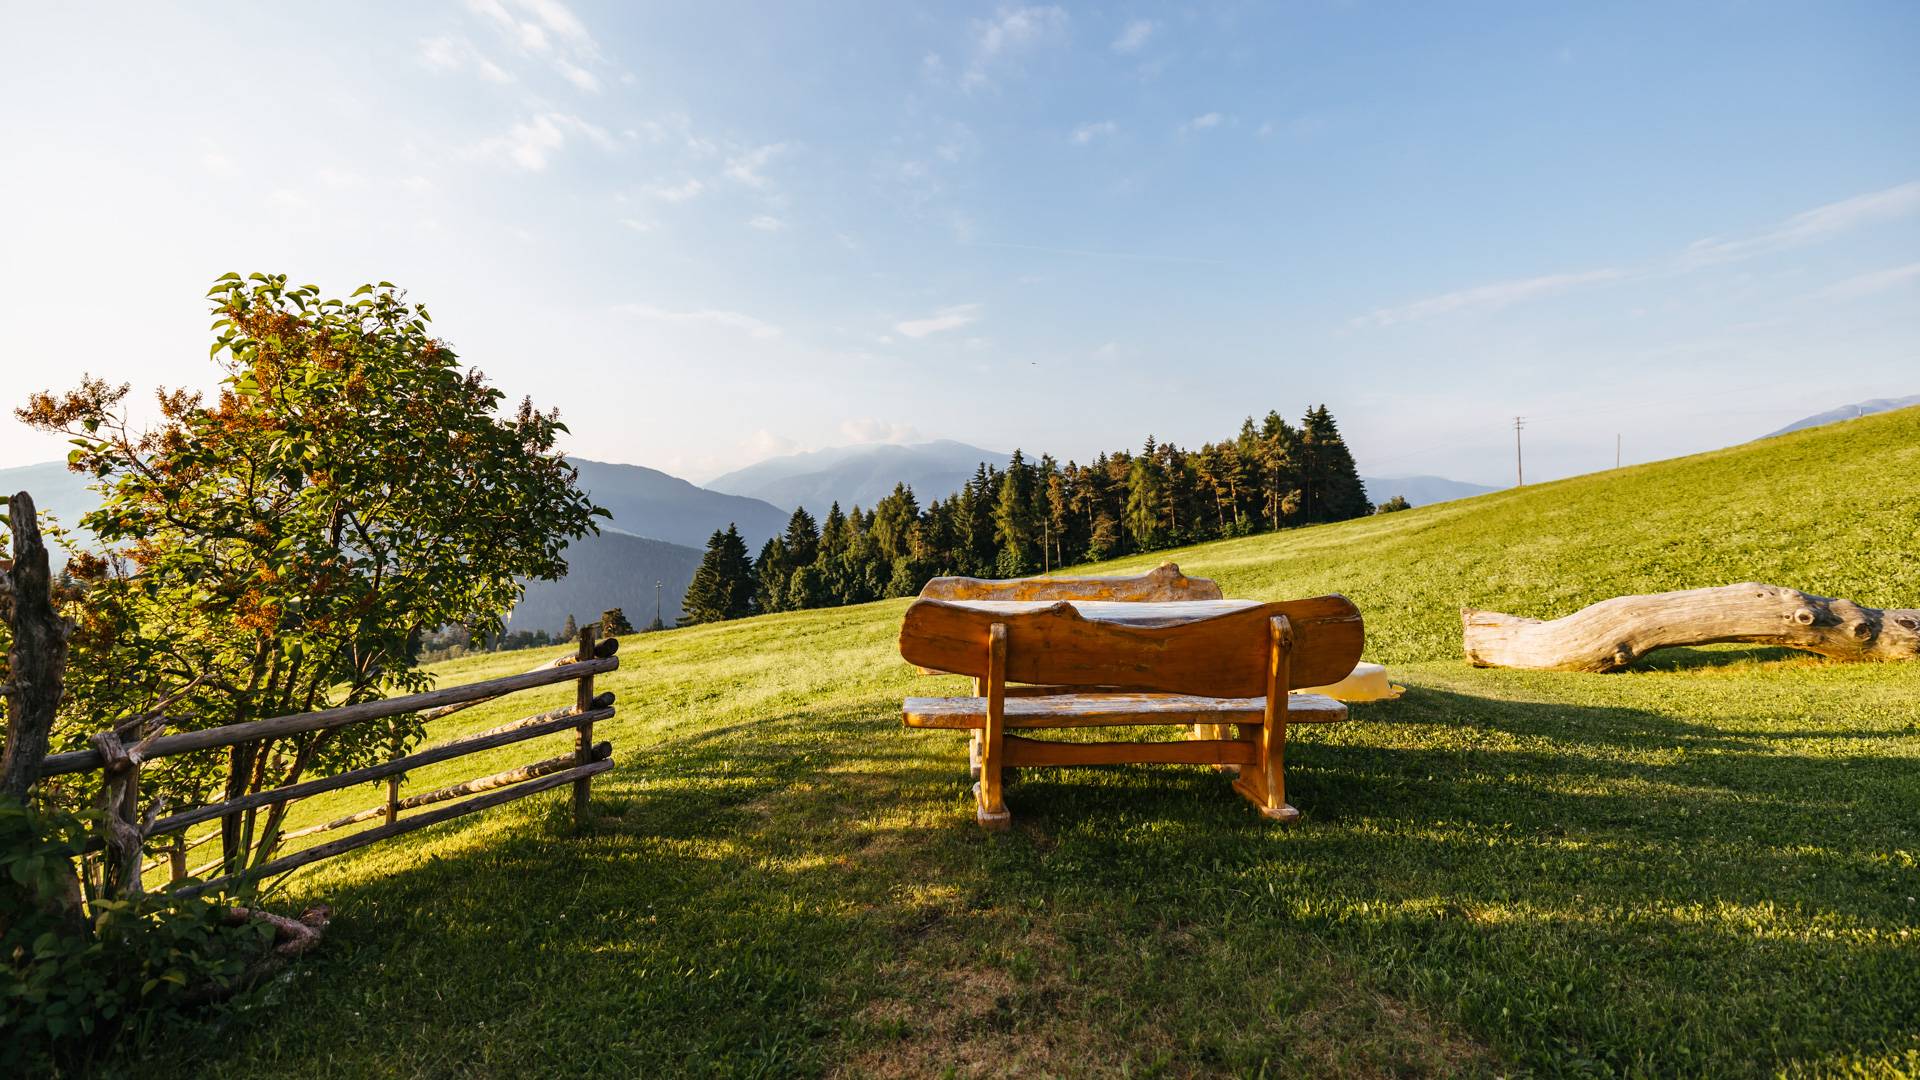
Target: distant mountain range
point(1847, 412)
point(614, 569)
point(1420, 490)
point(647, 502)
point(863, 475)
point(859, 475)
point(659, 529)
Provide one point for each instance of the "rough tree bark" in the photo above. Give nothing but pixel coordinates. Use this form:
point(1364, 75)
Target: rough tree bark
point(37, 661)
point(1614, 633)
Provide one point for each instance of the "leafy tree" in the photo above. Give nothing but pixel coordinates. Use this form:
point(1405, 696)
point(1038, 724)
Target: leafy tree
point(722, 588)
point(348, 488)
point(1398, 502)
point(613, 621)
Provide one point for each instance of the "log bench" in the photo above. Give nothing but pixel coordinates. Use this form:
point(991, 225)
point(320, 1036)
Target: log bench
point(1064, 653)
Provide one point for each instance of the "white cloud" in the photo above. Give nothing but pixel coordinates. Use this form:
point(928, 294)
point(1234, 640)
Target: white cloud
point(546, 30)
point(947, 318)
point(1486, 297)
point(341, 179)
point(1812, 226)
point(637, 225)
point(580, 77)
point(218, 163)
point(1086, 133)
point(869, 430)
point(767, 223)
point(1870, 283)
point(418, 185)
point(1134, 37)
point(675, 193)
point(531, 144)
point(745, 167)
point(731, 320)
point(451, 54)
point(1203, 122)
point(1011, 31)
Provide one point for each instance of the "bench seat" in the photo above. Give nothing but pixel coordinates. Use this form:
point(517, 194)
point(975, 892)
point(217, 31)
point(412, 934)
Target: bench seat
point(1108, 710)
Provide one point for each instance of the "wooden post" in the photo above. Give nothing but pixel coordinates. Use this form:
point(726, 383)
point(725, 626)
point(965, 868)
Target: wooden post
point(177, 857)
point(992, 812)
point(393, 782)
point(583, 735)
point(1264, 782)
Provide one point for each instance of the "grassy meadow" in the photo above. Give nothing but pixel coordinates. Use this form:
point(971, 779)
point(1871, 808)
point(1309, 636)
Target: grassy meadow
point(1705, 866)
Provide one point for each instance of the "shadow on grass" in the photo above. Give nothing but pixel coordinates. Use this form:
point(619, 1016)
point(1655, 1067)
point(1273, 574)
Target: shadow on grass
point(790, 895)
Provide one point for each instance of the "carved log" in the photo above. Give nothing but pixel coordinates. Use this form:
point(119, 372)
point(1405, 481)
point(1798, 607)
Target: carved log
point(1163, 583)
point(1614, 633)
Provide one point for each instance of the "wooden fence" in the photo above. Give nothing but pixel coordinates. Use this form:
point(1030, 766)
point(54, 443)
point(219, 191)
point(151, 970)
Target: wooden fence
point(129, 833)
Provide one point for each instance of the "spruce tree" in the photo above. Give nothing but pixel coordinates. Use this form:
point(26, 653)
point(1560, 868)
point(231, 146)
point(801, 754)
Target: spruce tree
point(571, 631)
point(722, 588)
point(802, 538)
point(770, 574)
point(1014, 527)
point(613, 622)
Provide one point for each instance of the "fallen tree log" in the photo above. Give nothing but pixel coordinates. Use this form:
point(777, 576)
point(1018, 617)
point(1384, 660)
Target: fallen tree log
point(1612, 634)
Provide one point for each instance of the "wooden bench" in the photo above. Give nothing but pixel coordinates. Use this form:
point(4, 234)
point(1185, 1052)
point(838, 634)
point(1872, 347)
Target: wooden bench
point(1160, 648)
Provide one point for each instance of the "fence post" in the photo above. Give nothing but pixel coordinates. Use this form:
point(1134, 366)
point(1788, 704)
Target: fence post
point(583, 735)
point(393, 782)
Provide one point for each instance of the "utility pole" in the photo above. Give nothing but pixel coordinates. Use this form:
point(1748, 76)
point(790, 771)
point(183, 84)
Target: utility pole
point(1519, 465)
point(656, 604)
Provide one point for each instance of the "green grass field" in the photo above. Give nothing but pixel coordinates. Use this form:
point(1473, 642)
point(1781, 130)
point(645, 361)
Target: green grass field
point(1705, 867)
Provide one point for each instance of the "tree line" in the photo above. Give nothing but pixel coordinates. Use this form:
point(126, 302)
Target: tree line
point(1039, 516)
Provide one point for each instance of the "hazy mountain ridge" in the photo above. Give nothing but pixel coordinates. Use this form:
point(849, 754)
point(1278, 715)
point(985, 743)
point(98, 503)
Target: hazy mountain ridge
point(1420, 490)
point(613, 569)
point(1847, 412)
point(859, 475)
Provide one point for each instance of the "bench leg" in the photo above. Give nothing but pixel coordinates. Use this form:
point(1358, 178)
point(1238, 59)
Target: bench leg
point(1264, 783)
point(1214, 731)
point(992, 807)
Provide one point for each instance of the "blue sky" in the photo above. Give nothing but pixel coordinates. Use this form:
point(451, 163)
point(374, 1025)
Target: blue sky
point(713, 232)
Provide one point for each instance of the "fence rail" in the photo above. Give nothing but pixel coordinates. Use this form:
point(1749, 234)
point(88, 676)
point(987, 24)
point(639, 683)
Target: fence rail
point(127, 833)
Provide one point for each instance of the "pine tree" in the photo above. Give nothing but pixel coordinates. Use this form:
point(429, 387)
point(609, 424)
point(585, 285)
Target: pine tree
point(1332, 491)
point(771, 572)
point(571, 631)
point(722, 588)
point(1146, 495)
point(802, 538)
point(613, 622)
point(1014, 527)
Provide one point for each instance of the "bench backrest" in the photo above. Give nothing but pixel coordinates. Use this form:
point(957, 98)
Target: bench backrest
point(1163, 583)
point(1221, 656)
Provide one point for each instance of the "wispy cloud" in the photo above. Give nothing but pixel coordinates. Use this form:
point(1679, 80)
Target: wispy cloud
point(1810, 227)
point(731, 320)
point(766, 223)
point(1870, 283)
point(1008, 33)
point(744, 167)
point(451, 54)
point(1492, 297)
point(1203, 122)
point(947, 318)
point(1134, 37)
point(546, 30)
point(675, 193)
point(1813, 226)
point(1086, 133)
point(866, 429)
point(532, 143)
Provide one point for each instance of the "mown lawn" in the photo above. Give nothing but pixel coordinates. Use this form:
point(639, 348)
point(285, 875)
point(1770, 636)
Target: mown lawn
point(1708, 867)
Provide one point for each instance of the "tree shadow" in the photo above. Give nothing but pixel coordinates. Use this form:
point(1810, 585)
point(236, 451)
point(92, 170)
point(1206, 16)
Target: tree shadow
point(769, 897)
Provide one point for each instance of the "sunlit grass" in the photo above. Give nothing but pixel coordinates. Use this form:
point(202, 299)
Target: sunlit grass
point(1707, 867)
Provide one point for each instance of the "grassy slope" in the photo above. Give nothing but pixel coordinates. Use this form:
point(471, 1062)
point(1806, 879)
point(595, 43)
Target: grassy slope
point(1709, 866)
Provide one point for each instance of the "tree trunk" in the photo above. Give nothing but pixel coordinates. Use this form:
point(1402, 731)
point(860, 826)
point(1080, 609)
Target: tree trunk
point(37, 662)
point(1614, 633)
